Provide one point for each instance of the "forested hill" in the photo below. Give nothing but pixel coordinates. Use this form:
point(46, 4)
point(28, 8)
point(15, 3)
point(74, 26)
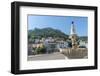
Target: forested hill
point(46, 32)
point(50, 32)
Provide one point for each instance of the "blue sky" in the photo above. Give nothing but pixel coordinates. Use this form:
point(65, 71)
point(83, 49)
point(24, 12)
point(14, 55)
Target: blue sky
point(62, 23)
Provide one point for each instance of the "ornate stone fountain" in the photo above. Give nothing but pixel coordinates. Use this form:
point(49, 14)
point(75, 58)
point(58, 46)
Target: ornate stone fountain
point(74, 52)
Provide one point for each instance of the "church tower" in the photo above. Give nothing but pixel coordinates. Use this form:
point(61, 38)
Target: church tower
point(73, 36)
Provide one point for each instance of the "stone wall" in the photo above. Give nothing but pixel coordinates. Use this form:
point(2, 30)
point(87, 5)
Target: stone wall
point(75, 53)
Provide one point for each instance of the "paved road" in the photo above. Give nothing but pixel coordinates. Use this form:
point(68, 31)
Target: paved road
point(53, 56)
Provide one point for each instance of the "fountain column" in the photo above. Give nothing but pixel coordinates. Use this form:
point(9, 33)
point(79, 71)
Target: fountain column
point(73, 36)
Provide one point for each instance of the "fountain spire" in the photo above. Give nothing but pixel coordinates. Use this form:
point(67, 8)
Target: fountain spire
point(73, 31)
point(73, 36)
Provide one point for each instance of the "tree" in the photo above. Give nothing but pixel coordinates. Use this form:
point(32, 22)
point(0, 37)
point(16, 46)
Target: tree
point(41, 50)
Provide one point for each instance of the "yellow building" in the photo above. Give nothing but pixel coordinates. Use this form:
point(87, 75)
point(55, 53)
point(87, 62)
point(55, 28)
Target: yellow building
point(37, 45)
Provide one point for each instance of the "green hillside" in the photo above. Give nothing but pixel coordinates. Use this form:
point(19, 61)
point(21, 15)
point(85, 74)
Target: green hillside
point(46, 32)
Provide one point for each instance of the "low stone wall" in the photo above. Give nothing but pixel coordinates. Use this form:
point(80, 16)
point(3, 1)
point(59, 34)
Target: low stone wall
point(75, 53)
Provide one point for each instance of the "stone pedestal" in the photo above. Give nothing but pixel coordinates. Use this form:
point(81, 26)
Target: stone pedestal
point(74, 41)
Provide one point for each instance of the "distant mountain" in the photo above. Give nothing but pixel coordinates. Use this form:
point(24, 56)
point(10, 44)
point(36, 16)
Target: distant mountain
point(84, 38)
point(46, 32)
point(50, 32)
